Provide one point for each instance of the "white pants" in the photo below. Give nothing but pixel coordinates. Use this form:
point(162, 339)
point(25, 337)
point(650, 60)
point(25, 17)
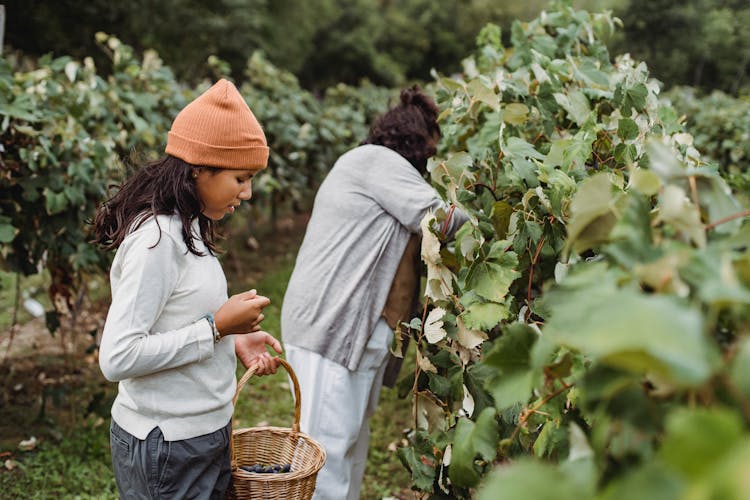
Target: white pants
point(335, 408)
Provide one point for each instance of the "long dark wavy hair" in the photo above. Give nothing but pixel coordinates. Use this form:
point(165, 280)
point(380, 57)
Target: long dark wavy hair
point(162, 187)
point(410, 128)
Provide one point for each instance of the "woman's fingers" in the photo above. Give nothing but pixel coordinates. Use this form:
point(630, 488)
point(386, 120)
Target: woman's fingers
point(247, 295)
point(261, 317)
point(258, 301)
point(241, 313)
point(273, 342)
point(266, 364)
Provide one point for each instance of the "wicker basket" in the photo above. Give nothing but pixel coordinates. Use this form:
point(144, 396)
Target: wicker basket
point(275, 445)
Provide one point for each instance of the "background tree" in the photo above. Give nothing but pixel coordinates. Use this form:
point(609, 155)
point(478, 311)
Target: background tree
point(703, 43)
point(183, 32)
point(322, 42)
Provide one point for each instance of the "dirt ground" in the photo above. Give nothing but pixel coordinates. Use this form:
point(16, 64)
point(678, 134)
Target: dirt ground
point(47, 380)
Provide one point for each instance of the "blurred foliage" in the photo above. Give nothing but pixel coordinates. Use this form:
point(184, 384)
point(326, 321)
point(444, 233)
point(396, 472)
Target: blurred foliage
point(701, 43)
point(184, 32)
point(720, 126)
point(322, 42)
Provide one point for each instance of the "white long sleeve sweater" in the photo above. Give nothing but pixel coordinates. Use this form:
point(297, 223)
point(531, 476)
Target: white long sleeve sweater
point(365, 211)
point(155, 343)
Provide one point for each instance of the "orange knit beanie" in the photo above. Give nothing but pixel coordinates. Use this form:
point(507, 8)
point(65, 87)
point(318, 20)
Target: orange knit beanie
point(218, 129)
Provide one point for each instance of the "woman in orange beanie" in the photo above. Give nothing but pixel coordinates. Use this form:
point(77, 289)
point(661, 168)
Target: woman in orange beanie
point(172, 336)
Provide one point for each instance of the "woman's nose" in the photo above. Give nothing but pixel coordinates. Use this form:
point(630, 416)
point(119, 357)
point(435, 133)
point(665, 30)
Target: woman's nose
point(246, 194)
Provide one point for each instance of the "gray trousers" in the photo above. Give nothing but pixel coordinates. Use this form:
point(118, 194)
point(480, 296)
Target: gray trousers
point(153, 468)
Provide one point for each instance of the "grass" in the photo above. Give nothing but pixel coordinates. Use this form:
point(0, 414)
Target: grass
point(72, 460)
point(76, 466)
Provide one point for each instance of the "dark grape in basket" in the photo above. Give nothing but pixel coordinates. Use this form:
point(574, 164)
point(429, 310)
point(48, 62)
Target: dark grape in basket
point(267, 469)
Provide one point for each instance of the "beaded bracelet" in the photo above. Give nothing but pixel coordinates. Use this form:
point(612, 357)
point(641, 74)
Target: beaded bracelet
point(210, 318)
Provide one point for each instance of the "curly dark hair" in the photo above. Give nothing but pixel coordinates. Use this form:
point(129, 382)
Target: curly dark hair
point(162, 187)
point(410, 128)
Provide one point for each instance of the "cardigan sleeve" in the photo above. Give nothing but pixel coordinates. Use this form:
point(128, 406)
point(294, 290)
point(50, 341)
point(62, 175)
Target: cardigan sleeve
point(402, 192)
point(144, 278)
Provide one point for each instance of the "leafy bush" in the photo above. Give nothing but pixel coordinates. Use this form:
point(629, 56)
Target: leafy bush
point(720, 125)
point(64, 131)
point(586, 332)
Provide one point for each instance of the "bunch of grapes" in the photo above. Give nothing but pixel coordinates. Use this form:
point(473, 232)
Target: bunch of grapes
point(267, 469)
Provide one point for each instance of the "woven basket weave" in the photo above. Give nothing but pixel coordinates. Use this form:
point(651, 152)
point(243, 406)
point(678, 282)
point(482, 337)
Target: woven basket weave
point(275, 445)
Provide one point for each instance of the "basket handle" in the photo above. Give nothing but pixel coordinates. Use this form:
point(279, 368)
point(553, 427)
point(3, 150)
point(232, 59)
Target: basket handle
point(243, 380)
point(249, 373)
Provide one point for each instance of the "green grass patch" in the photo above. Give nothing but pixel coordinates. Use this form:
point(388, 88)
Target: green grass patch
point(78, 465)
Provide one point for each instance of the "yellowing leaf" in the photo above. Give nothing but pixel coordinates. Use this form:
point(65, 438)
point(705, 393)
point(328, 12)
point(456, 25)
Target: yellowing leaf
point(439, 279)
point(28, 444)
point(484, 316)
point(591, 213)
point(467, 337)
point(515, 113)
point(430, 415)
point(663, 274)
point(468, 403)
point(479, 92)
point(492, 280)
point(576, 104)
point(644, 181)
point(430, 242)
point(676, 209)
point(71, 69)
point(447, 455)
point(433, 328)
point(425, 364)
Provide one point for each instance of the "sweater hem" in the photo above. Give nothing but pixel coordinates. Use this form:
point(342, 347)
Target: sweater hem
point(173, 427)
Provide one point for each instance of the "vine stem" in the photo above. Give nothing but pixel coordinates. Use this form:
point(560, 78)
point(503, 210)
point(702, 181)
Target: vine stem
point(737, 394)
point(745, 213)
point(525, 416)
point(420, 335)
point(488, 188)
point(531, 274)
point(448, 217)
point(416, 367)
point(694, 192)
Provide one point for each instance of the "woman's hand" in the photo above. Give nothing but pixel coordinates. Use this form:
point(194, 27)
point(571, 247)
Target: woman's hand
point(251, 349)
point(242, 313)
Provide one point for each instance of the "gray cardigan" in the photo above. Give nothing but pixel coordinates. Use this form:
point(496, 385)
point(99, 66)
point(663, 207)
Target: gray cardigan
point(364, 212)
